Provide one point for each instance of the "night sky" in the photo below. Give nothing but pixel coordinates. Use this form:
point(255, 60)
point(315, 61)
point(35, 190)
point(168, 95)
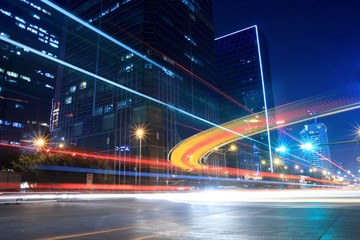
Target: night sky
point(314, 47)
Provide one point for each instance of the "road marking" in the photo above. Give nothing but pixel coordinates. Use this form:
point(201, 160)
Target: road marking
point(110, 230)
point(144, 225)
point(197, 226)
point(166, 233)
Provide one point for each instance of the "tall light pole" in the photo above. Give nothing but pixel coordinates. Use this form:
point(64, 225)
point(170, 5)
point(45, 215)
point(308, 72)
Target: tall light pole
point(139, 134)
point(233, 149)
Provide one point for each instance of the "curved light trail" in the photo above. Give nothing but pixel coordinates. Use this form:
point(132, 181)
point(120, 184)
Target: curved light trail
point(188, 154)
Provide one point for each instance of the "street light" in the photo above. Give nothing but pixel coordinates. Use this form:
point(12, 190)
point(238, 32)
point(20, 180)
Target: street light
point(232, 148)
point(296, 166)
point(263, 162)
point(280, 149)
point(277, 161)
point(307, 146)
point(139, 134)
point(40, 142)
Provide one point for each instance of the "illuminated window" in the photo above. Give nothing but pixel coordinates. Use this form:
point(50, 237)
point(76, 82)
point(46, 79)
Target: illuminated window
point(46, 12)
point(36, 16)
point(98, 111)
point(20, 20)
point(12, 74)
point(35, 6)
point(72, 89)
point(17, 125)
point(108, 108)
point(19, 106)
point(189, 39)
point(5, 12)
point(68, 100)
point(5, 35)
point(82, 85)
point(21, 25)
point(1, 70)
point(49, 86)
point(25, 78)
point(54, 45)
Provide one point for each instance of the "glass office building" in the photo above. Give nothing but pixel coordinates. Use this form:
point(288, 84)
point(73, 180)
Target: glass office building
point(161, 49)
point(244, 76)
point(27, 83)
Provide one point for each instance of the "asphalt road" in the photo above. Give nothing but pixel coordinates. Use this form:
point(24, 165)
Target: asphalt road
point(132, 218)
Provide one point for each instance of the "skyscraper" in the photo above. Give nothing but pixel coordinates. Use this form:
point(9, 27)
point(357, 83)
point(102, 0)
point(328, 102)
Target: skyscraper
point(244, 76)
point(316, 133)
point(26, 82)
point(172, 53)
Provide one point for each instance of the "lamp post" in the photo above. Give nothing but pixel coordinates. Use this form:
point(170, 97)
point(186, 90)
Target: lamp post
point(233, 148)
point(139, 134)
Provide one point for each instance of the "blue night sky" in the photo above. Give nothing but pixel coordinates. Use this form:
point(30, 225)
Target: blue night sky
point(314, 47)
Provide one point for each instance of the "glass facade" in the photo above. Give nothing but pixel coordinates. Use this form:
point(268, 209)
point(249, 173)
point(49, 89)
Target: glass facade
point(243, 72)
point(316, 133)
point(172, 54)
point(27, 90)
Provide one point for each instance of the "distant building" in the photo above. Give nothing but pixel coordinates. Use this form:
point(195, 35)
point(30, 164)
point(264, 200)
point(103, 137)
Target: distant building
point(27, 82)
point(244, 76)
point(316, 134)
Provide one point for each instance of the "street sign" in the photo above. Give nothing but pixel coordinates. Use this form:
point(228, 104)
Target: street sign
point(358, 159)
point(89, 178)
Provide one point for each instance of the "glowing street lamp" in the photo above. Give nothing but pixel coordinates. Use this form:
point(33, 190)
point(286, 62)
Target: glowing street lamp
point(280, 149)
point(140, 134)
point(277, 161)
point(40, 142)
point(232, 148)
point(307, 146)
point(296, 166)
point(324, 172)
point(285, 167)
point(263, 162)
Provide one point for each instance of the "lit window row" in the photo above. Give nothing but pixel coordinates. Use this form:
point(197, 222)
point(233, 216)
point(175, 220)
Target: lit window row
point(129, 68)
point(49, 53)
point(168, 72)
point(25, 78)
point(5, 12)
point(195, 60)
point(190, 4)
point(12, 74)
point(127, 56)
point(107, 11)
point(4, 35)
point(13, 124)
point(49, 86)
point(36, 30)
point(36, 6)
point(189, 39)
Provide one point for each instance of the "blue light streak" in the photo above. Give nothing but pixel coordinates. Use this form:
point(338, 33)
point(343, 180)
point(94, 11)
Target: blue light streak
point(85, 24)
point(118, 85)
point(264, 95)
point(162, 175)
